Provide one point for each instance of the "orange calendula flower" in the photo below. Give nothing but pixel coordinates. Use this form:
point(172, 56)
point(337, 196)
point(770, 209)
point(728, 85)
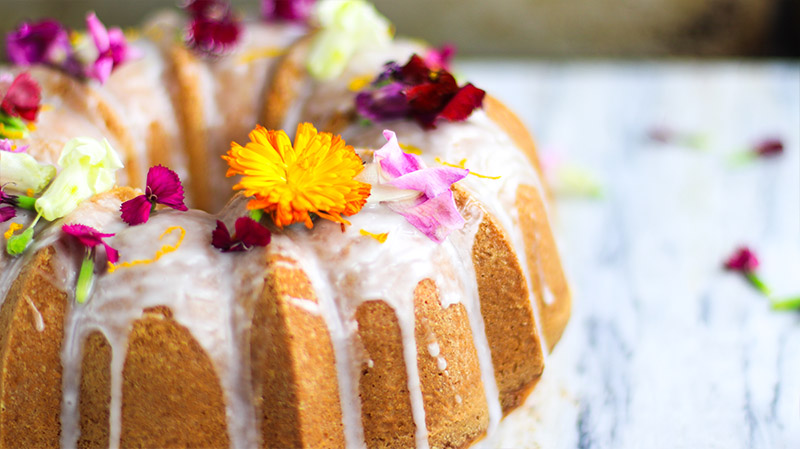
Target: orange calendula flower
point(315, 175)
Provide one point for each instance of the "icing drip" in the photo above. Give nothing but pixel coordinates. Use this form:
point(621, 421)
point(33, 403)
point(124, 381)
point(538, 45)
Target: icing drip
point(347, 269)
point(205, 294)
point(486, 150)
point(460, 243)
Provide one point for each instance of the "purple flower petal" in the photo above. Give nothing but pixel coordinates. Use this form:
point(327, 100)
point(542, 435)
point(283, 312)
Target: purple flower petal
point(90, 238)
point(7, 213)
point(98, 32)
point(440, 58)
point(435, 217)
point(44, 42)
point(289, 10)
point(8, 145)
point(101, 69)
point(136, 211)
point(394, 162)
point(164, 187)
point(112, 49)
point(422, 89)
point(435, 213)
point(386, 103)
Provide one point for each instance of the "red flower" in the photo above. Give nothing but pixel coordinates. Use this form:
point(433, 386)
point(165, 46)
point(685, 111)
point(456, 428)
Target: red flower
point(769, 147)
point(417, 91)
point(90, 238)
point(163, 187)
point(214, 29)
point(249, 233)
point(743, 261)
point(21, 98)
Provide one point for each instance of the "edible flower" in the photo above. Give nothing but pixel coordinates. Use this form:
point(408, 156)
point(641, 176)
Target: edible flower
point(744, 261)
point(112, 48)
point(87, 168)
point(288, 10)
point(289, 182)
point(7, 213)
point(8, 146)
point(214, 29)
point(21, 97)
point(417, 91)
point(769, 147)
point(432, 210)
point(89, 238)
point(44, 42)
point(248, 234)
point(22, 172)
point(163, 187)
point(440, 58)
point(347, 26)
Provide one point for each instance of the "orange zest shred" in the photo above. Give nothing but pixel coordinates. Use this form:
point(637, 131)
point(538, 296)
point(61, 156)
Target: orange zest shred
point(260, 53)
point(29, 192)
point(379, 237)
point(411, 149)
point(461, 164)
point(31, 126)
point(289, 181)
point(164, 250)
point(12, 228)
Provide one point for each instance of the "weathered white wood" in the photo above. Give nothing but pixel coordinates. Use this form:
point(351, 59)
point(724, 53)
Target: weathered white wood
point(666, 350)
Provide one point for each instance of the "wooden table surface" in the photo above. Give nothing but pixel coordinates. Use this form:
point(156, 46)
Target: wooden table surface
point(665, 349)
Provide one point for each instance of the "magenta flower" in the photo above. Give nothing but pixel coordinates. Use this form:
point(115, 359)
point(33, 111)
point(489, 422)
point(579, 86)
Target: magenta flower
point(288, 10)
point(214, 29)
point(769, 147)
point(91, 238)
point(418, 91)
point(7, 198)
point(8, 145)
point(7, 213)
point(163, 187)
point(440, 58)
point(249, 233)
point(111, 46)
point(21, 97)
point(45, 42)
point(434, 211)
point(743, 261)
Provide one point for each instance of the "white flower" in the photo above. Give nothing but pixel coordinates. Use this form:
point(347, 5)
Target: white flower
point(347, 26)
point(87, 168)
point(22, 172)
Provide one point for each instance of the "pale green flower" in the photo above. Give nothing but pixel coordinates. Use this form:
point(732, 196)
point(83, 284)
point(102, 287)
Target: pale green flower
point(347, 26)
point(87, 168)
point(21, 172)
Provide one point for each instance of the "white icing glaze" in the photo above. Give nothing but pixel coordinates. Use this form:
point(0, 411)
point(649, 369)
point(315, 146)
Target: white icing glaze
point(345, 268)
point(197, 283)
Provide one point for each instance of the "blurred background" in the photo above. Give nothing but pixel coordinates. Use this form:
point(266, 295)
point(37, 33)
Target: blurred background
point(532, 28)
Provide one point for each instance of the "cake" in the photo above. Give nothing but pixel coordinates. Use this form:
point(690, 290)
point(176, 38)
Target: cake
point(362, 329)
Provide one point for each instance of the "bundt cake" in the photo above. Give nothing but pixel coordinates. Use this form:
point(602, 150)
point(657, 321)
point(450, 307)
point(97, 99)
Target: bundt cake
point(400, 292)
